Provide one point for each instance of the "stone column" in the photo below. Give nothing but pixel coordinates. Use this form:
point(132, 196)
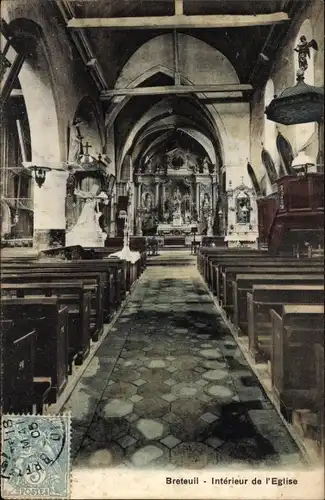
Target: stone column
point(112, 231)
point(163, 194)
point(131, 208)
point(197, 198)
point(214, 199)
point(49, 211)
point(138, 207)
point(157, 193)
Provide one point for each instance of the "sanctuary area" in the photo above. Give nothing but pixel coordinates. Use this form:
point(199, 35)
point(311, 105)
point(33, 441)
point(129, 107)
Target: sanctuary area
point(162, 231)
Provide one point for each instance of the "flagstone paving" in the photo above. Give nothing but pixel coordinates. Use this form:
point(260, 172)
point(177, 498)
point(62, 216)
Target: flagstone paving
point(169, 388)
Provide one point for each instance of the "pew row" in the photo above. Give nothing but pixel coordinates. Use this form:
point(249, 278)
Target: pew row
point(244, 283)
point(261, 300)
point(296, 329)
point(93, 281)
point(60, 306)
point(49, 319)
point(76, 295)
point(229, 274)
point(18, 366)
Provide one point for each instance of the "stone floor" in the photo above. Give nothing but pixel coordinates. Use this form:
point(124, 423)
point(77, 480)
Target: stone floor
point(169, 388)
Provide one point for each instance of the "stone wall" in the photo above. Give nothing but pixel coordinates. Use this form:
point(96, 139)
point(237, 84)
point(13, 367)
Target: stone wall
point(283, 76)
point(54, 81)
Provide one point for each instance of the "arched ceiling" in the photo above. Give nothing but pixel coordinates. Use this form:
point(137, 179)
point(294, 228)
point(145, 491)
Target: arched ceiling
point(167, 117)
point(155, 139)
point(241, 46)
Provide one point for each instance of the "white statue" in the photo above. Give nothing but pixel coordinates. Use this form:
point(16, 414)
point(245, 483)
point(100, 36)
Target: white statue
point(205, 202)
point(75, 145)
point(87, 231)
point(205, 165)
point(126, 253)
point(177, 212)
point(147, 202)
point(210, 224)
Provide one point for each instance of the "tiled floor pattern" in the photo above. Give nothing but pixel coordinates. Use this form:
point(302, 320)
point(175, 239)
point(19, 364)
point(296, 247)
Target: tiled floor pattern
point(169, 388)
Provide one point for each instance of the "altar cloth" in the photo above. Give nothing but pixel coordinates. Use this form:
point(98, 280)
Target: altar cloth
point(184, 228)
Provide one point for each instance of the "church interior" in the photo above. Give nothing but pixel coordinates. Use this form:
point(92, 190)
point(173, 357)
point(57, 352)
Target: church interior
point(162, 228)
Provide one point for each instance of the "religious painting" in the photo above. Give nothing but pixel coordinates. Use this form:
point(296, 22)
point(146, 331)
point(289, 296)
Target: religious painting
point(243, 208)
point(147, 200)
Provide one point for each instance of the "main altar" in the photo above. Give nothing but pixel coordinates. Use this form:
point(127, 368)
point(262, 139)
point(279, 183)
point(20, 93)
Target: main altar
point(175, 194)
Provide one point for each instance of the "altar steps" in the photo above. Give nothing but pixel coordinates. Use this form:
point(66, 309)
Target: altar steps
point(172, 257)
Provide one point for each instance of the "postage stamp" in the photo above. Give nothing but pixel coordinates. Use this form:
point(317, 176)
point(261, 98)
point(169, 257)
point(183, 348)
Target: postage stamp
point(35, 456)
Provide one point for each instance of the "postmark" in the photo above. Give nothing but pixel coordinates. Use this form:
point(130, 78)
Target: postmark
point(35, 456)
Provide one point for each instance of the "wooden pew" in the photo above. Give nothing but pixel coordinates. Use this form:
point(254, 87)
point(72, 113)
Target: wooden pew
point(18, 364)
point(214, 241)
point(50, 321)
point(93, 281)
point(319, 356)
point(206, 254)
point(114, 267)
point(295, 331)
point(137, 244)
point(262, 299)
point(244, 283)
point(74, 294)
point(280, 267)
point(219, 266)
point(210, 260)
point(105, 254)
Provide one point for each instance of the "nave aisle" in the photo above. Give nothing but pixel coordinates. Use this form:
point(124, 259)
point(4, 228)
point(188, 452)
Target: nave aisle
point(169, 388)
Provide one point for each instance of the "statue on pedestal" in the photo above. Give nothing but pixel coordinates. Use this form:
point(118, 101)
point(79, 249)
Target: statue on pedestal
point(205, 165)
point(147, 202)
point(87, 231)
point(205, 203)
point(177, 212)
point(304, 52)
point(210, 225)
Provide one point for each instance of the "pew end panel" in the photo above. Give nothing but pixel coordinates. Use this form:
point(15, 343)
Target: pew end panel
point(319, 356)
point(50, 321)
point(18, 365)
point(295, 331)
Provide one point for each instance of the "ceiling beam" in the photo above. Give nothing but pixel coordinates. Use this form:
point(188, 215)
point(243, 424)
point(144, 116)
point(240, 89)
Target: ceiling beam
point(83, 46)
point(175, 89)
point(276, 37)
point(16, 93)
point(179, 7)
point(9, 82)
point(180, 21)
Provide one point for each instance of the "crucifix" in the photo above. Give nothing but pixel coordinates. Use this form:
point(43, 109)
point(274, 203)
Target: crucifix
point(87, 147)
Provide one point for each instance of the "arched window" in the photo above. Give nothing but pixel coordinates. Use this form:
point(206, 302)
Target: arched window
point(305, 137)
point(270, 132)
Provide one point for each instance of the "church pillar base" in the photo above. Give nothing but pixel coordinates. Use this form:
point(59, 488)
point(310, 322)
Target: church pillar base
point(48, 238)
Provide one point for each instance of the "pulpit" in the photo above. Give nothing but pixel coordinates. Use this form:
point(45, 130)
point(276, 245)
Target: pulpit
point(299, 218)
